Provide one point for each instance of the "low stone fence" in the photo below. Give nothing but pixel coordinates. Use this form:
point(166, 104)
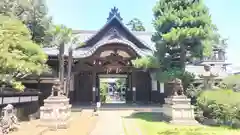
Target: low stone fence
point(25, 103)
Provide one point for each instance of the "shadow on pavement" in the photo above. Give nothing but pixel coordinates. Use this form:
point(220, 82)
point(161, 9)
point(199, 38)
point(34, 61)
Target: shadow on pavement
point(149, 116)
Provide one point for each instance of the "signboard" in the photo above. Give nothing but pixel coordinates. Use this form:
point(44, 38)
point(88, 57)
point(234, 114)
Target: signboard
point(154, 85)
point(161, 87)
point(98, 104)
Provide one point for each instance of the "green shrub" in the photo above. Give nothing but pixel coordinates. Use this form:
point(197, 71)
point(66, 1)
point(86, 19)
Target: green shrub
point(193, 92)
point(221, 96)
point(222, 105)
point(103, 91)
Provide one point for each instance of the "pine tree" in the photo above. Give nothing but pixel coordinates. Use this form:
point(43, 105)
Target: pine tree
point(184, 30)
point(33, 13)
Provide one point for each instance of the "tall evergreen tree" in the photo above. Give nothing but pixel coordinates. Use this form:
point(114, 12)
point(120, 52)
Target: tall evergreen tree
point(184, 29)
point(32, 13)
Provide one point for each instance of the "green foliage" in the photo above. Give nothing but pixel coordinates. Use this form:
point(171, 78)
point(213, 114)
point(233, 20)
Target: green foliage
point(221, 96)
point(222, 105)
point(193, 92)
point(120, 82)
point(33, 13)
point(184, 29)
point(20, 56)
point(232, 82)
point(103, 91)
point(136, 25)
point(63, 35)
point(145, 62)
point(168, 75)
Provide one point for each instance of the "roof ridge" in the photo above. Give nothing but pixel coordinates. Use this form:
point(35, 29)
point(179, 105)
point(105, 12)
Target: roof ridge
point(95, 31)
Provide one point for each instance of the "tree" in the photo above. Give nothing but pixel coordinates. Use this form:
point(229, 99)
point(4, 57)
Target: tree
point(61, 37)
point(136, 25)
point(32, 13)
point(184, 30)
point(19, 55)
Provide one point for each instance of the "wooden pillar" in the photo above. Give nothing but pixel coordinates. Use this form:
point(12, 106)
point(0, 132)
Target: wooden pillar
point(129, 88)
point(94, 88)
point(134, 82)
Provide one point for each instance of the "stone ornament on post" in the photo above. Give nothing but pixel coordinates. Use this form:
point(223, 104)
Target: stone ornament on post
point(56, 110)
point(57, 88)
point(178, 107)
point(177, 87)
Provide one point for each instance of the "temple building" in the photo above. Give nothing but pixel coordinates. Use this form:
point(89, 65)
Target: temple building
point(108, 52)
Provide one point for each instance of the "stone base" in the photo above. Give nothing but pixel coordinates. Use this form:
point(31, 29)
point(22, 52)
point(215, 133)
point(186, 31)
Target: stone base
point(56, 112)
point(180, 110)
point(55, 124)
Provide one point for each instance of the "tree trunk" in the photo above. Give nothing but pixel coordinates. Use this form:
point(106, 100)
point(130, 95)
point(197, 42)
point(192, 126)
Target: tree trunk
point(183, 57)
point(61, 63)
point(70, 61)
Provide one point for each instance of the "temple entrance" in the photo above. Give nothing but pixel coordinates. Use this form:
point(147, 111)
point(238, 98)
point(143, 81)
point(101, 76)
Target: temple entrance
point(113, 88)
point(108, 54)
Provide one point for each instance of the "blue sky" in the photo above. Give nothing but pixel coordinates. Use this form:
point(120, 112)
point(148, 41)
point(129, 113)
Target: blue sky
point(92, 14)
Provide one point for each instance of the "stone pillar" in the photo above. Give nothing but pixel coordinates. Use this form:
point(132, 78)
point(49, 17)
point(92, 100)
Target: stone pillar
point(134, 79)
point(94, 88)
point(179, 110)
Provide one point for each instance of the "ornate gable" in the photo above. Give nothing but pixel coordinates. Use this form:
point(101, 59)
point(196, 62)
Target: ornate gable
point(114, 29)
point(113, 33)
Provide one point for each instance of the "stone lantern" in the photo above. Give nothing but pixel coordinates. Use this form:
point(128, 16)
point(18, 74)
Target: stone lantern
point(208, 77)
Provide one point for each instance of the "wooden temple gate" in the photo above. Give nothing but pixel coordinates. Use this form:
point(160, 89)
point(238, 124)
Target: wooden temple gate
point(109, 59)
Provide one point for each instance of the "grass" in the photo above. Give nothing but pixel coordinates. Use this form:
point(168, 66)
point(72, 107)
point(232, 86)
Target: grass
point(154, 124)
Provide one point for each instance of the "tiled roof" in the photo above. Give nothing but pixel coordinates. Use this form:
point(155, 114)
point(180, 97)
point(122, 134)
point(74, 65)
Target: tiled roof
point(143, 36)
point(84, 35)
point(85, 52)
point(199, 70)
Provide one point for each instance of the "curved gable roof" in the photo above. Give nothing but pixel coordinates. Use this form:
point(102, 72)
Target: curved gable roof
point(115, 23)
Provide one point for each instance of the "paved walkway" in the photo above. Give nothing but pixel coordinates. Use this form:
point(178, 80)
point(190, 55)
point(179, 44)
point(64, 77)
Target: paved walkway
point(109, 123)
point(81, 124)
